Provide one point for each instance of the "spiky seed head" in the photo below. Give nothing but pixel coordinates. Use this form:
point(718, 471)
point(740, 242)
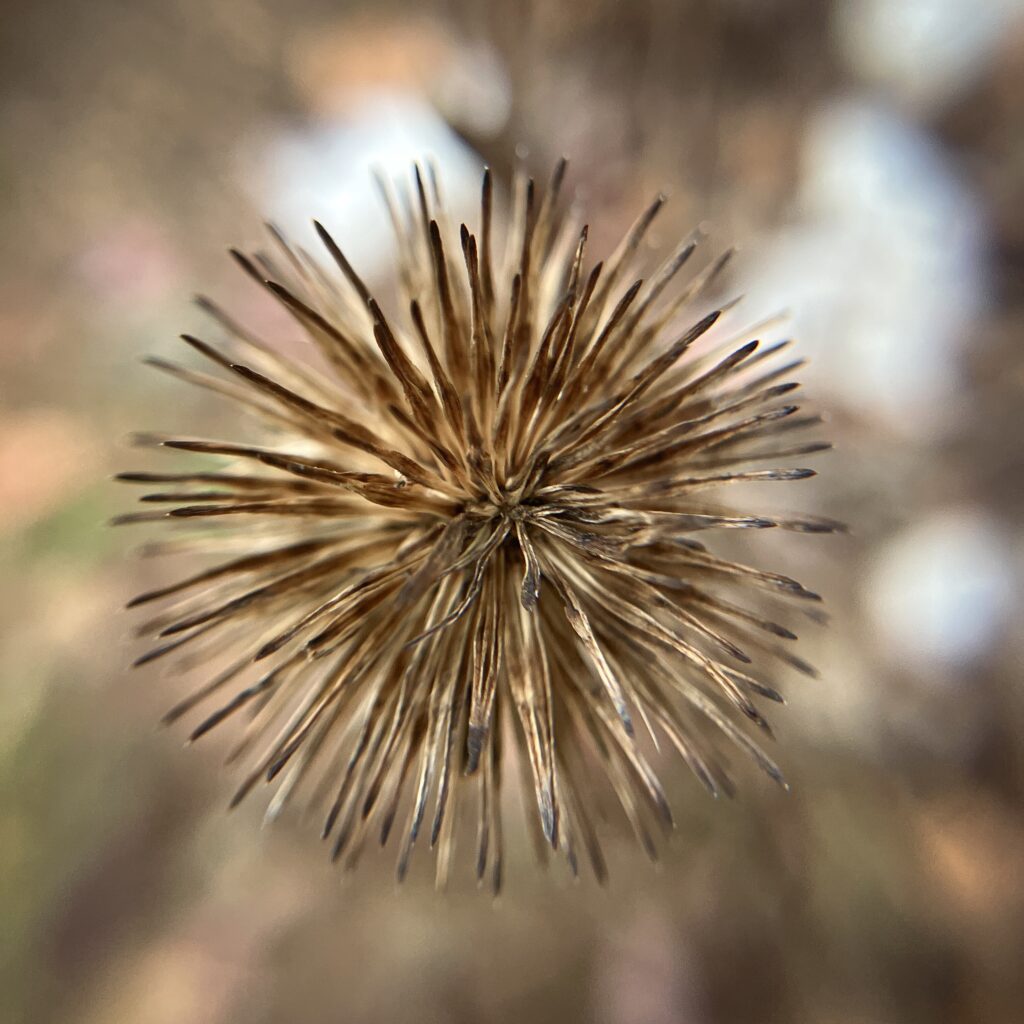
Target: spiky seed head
point(471, 533)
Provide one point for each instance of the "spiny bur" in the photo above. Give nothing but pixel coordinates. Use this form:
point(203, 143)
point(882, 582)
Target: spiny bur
point(471, 535)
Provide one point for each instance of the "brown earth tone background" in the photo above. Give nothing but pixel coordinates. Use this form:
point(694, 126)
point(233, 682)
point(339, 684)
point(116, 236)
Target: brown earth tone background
point(868, 158)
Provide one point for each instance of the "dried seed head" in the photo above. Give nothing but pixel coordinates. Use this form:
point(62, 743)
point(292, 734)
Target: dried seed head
point(473, 536)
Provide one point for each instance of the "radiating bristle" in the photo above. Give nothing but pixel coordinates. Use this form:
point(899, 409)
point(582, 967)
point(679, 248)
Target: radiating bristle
point(471, 538)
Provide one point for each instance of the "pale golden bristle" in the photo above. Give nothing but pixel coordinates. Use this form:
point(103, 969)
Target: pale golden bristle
point(470, 538)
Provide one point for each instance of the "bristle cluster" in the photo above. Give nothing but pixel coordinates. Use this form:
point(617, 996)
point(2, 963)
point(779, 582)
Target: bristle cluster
point(467, 539)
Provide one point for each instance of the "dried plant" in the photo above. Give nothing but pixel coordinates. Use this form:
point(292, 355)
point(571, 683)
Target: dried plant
point(469, 540)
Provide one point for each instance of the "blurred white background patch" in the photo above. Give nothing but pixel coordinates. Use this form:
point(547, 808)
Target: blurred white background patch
point(325, 171)
point(883, 266)
point(941, 591)
point(923, 51)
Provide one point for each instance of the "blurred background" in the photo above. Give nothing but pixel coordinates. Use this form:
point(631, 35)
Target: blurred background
point(868, 158)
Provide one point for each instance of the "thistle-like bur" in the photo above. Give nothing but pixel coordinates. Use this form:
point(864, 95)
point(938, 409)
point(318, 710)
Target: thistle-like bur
point(471, 535)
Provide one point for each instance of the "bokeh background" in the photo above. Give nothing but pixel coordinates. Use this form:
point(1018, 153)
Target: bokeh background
point(868, 158)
